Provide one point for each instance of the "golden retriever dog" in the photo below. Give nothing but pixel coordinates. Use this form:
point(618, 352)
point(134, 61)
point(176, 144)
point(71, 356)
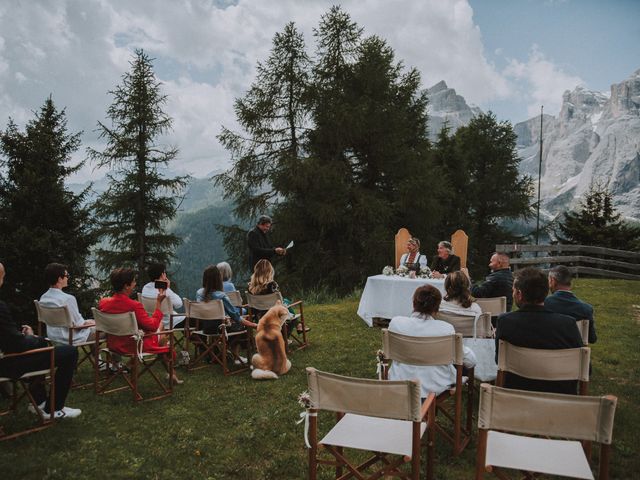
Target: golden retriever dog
point(271, 359)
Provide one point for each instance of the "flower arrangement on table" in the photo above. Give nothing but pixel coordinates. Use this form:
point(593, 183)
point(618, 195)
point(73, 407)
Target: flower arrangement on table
point(403, 271)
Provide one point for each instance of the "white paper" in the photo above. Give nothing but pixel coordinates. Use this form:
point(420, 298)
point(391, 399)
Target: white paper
point(289, 246)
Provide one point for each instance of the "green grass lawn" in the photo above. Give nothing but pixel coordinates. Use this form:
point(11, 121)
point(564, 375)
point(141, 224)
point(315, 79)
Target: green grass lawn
point(237, 428)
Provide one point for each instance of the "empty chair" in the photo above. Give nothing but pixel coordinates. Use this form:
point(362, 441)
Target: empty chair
point(139, 362)
point(384, 417)
point(506, 416)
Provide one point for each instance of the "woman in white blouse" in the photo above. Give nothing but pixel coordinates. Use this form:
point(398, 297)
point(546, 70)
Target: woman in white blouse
point(413, 259)
point(436, 379)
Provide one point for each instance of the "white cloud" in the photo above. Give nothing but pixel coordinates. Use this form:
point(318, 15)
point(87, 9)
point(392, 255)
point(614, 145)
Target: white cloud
point(540, 82)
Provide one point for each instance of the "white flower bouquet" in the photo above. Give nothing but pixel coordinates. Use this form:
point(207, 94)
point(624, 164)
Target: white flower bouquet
point(425, 272)
point(402, 271)
point(388, 270)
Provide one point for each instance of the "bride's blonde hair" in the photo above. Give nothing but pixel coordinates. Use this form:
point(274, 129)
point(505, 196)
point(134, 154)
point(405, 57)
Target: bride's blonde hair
point(261, 277)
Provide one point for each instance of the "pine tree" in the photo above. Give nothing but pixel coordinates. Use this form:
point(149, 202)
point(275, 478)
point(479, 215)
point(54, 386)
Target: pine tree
point(597, 223)
point(492, 189)
point(140, 200)
point(40, 219)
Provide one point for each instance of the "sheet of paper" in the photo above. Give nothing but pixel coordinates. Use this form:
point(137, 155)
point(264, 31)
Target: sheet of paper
point(289, 246)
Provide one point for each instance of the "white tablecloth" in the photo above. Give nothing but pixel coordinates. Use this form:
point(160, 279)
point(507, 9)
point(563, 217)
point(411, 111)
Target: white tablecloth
point(386, 296)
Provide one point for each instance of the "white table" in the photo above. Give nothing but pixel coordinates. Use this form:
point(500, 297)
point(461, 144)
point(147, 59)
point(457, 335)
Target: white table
point(386, 296)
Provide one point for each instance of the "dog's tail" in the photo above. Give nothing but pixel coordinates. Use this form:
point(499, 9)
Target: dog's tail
point(259, 374)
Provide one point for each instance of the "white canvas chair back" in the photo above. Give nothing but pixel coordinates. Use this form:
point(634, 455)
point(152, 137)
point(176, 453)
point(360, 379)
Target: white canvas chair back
point(263, 302)
point(423, 351)
point(119, 324)
point(400, 243)
point(548, 414)
point(460, 242)
point(235, 298)
point(54, 316)
point(149, 305)
point(398, 400)
point(542, 364)
point(211, 310)
point(583, 326)
point(468, 325)
point(494, 305)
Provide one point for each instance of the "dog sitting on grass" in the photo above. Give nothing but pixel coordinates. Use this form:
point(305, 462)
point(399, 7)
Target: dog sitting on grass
point(271, 359)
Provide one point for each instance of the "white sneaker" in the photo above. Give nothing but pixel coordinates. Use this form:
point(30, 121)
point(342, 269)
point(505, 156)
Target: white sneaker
point(240, 360)
point(67, 412)
point(32, 409)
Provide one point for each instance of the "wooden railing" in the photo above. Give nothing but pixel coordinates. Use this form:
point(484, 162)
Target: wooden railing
point(580, 259)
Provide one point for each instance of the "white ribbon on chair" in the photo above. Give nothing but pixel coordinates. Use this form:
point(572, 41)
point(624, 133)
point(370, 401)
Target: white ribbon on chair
point(304, 417)
point(139, 339)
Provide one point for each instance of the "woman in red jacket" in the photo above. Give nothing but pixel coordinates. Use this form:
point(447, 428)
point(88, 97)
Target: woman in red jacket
point(123, 281)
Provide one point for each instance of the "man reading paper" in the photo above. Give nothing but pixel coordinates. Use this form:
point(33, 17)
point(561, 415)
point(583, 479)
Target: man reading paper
point(259, 243)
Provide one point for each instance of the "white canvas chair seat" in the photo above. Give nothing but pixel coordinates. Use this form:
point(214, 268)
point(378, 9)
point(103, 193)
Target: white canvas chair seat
point(493, 305)
point(532, 454)
point(507, 420)
point(373, 434)
point(126, 325)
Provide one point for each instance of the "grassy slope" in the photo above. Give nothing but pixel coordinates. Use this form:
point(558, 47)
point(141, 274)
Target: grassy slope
point(235, 428)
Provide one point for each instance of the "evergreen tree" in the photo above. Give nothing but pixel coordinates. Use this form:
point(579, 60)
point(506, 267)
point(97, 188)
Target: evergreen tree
point(140, 200)
point(487, 184)
point(40, 220)
point(597, 223)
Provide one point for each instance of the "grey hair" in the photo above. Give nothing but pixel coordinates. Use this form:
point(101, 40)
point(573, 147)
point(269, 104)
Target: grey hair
point(446, 245)
point(225, 270)
point(561, 274)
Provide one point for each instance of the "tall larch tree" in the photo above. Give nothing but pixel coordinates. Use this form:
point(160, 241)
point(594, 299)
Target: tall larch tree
point(41, 220)
point(140, 200)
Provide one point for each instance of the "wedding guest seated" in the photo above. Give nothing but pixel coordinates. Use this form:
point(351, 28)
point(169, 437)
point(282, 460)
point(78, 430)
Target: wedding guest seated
point(534, 326)
point(157, 272)
point(57, 277)
point(262, 283)
point(413, 260)
point(212, 289)
point(436, 379)
point(564, 301)
point(123, 282)
point(445, 261)
point(499, 283)
point(227, 273)
point(17, 339)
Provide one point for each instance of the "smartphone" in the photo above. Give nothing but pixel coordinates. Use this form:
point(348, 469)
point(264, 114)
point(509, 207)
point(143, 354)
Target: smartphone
point(160, 285)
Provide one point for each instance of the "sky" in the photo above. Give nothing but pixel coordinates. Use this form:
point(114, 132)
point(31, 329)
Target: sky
point(507, 56)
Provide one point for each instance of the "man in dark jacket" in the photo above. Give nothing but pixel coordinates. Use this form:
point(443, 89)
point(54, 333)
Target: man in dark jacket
point(259, 243)
point(16, 339)
point(533, 326)
point(564, 301)
point(499, 283)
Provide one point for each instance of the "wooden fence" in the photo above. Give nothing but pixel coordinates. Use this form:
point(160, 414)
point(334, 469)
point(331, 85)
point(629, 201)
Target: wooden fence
point(580, 259)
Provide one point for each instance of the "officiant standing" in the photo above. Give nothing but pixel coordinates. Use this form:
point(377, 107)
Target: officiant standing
point(260, 244)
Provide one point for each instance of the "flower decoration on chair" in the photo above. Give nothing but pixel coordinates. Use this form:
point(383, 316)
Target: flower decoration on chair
point(425, 272)
point(388, 270)
point(402, 271)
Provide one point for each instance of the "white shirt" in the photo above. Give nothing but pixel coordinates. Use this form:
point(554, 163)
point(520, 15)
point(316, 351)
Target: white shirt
point(436, 378)
point(55, 297)
point(422, 259)
point(150, 291)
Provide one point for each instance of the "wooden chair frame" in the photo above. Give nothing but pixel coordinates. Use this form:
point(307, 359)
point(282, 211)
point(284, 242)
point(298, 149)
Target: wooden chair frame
point(265, 302)
point(349, 405)
point(393, 350)
point(45, 375)
point(209, 343)
point(61, 317)
point(549, 415)
point(166, 308)
point(137, 365)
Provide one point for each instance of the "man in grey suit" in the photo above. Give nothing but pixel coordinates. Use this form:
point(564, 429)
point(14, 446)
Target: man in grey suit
point(564, 301)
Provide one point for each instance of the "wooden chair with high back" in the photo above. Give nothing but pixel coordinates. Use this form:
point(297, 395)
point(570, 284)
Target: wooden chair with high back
point(400, 243)
point(505, 416)
point(260, 303)
point(46, 375)
point(460, 243)
point(49, 316)
point(436, 351)
point(206, 324)
point(383, 417)
point(543, 364)
point(139, 363)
